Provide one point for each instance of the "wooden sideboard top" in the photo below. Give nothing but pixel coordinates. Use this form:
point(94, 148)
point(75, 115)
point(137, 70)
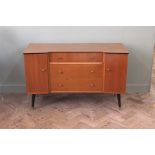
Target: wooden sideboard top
point(76, 47)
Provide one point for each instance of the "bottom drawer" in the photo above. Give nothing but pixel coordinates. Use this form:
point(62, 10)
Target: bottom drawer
point(78, 85)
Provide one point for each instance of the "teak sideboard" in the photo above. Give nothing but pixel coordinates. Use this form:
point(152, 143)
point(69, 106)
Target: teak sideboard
point(76, 68)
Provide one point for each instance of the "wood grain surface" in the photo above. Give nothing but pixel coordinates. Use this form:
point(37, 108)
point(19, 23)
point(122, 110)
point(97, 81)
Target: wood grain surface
point(115, 73)
point(76, 77)
point(76, 57)
point(77, 47)
point(90, 71)
point(36, 72)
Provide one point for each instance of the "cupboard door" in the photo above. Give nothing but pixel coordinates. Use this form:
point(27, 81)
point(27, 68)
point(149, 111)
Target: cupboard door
point(36, 70)
point(115, 73)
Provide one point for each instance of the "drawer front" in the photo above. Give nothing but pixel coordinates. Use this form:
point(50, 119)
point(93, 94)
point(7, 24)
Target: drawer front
point(76, 85)
point(76, 71)
point(76, 77)
point(76, 57)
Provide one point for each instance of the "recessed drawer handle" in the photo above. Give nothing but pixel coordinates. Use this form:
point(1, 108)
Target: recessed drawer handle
point(43, 70)
point(59, 58)
point(92, 85)
point(92, 58)
point(61, 72)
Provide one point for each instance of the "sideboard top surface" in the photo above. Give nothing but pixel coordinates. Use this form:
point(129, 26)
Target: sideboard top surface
point(76, 47)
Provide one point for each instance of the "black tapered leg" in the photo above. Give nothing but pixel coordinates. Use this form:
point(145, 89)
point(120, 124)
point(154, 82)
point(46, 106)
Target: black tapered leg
point(33, 99)
point(119, 100)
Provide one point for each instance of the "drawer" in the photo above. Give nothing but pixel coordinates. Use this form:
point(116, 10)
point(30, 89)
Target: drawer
point(76, 57)
point(76, 85)
point(76, 71)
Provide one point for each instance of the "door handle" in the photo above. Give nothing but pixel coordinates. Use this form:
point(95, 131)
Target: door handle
point(43, 69)
point(60, 85)
point(92, 85)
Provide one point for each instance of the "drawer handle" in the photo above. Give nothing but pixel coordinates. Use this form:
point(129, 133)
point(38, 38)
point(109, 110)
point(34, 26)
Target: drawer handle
point(92, 85)
point(43, 70)
point(92, 71)
point(108, 69)
point(61, 72)
point(60, 85)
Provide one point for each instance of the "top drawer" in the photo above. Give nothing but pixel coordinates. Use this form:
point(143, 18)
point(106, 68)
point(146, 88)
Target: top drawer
point(76, 57)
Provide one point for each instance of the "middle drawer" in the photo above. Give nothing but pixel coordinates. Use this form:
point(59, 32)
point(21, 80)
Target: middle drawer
point(75, 71)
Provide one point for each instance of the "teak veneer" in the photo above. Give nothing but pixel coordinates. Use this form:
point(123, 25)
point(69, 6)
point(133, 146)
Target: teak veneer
point(76, 68)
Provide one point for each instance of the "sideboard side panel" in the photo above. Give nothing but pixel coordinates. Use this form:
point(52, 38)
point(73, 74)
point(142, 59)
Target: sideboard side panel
point(36, 73)
point(115, 73)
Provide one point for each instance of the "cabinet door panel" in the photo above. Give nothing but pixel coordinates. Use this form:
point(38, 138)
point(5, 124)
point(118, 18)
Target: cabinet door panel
point(115, 73)
point(36, 70)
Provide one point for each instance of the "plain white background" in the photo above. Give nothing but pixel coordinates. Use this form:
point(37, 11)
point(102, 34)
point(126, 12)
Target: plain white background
point(79, 13)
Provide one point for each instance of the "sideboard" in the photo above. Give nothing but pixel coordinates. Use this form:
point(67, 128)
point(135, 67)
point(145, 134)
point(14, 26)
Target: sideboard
point(76, 68)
